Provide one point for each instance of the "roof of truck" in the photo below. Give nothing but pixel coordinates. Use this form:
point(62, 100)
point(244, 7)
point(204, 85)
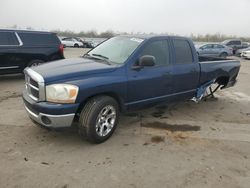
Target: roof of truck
point(148, 36)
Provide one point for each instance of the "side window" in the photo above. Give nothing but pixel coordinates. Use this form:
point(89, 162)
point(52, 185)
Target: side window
point(234, 42)
point(218, 46)
point(8, 38)
point(183, 52)
point(208, 46)
point(237, 42)
point(158, 49)
point(38, 38)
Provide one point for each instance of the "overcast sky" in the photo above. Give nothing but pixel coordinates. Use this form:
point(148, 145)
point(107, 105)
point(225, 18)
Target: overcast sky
point(181, 17)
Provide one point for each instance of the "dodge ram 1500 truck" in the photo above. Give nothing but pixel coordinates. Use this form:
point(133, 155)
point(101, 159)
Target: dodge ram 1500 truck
point(122, 73)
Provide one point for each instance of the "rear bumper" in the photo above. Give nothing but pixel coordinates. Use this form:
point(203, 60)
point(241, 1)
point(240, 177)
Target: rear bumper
point(50, 114)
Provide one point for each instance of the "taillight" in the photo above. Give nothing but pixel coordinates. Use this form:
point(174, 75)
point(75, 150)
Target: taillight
point(61, 49)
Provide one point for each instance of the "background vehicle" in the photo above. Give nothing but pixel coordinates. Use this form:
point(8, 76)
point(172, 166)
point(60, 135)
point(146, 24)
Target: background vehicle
point(214, 50)
point(122, 73)
point(87, 44)
point(19, 49)
point(239, 52)
point(72, 42)
point(236, 44)
point(245, 44)
point(246, 54)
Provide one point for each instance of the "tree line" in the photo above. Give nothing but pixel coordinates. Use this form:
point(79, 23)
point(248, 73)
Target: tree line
point(109, 33)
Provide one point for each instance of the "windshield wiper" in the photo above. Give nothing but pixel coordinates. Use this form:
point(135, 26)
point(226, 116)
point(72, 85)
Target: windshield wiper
point(99, 55)
point(103, 58)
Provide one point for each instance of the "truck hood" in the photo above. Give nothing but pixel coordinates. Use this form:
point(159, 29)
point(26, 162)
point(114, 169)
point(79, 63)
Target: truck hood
point(71, 68)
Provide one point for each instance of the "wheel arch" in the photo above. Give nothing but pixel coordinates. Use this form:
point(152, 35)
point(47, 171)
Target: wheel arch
point(223, 80)
point(113, 95)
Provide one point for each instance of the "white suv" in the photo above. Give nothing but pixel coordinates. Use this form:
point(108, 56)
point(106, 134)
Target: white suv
point(71, 42)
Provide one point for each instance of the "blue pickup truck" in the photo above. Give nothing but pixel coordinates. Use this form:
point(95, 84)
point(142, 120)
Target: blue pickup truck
point(123, 73)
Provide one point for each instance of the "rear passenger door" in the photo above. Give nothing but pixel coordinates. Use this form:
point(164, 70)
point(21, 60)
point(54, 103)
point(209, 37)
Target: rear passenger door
point(9, 45)
point(185, 70)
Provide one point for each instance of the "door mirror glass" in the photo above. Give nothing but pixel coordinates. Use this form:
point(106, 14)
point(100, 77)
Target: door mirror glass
point(147, 61)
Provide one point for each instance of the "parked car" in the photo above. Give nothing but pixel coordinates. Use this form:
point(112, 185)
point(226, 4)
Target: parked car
point(20, 49)
point(240, 51)
point(214, 50)
point(245, 44)
point(72, 42)
point(87, 44)
point(121, 74)
point(236, 44)
point(246, 54)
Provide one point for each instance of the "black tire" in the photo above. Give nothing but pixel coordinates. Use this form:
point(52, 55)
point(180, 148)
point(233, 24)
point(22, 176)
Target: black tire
point(35, 63)
point(76, 45)
point(223, 55)
point(90, 115)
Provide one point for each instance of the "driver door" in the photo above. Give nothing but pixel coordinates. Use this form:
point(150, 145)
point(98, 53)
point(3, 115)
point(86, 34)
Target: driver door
point(154, 83)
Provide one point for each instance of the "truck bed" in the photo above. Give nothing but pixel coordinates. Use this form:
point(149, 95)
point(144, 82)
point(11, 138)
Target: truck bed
point(218, 68)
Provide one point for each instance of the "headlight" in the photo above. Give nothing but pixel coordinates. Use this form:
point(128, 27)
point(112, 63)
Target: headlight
point(61, 93)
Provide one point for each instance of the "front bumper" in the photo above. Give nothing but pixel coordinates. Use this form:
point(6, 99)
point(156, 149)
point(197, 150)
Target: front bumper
point(49, 114)
point(53, 121)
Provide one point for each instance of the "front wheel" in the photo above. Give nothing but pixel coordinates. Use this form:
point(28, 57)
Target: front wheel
point(98, 119)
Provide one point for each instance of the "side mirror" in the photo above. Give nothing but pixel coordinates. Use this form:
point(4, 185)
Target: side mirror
point(144, 61)
point(147, 61)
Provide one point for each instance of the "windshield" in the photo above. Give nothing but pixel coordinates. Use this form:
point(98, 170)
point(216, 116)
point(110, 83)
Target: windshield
point(116, 49)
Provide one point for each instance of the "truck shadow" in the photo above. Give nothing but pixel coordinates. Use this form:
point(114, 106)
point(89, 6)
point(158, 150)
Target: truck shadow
point(158, 117)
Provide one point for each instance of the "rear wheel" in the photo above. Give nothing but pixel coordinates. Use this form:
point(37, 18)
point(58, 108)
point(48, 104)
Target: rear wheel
point(98, 119)
point(35, 63)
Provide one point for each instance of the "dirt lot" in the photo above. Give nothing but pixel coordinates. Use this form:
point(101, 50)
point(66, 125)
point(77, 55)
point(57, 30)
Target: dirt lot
point(179, 145)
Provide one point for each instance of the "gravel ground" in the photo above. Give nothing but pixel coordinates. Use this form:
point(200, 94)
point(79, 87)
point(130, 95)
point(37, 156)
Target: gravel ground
point(178, 145)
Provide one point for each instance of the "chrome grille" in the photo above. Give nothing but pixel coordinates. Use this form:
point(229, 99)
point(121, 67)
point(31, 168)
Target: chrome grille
point(34, 85)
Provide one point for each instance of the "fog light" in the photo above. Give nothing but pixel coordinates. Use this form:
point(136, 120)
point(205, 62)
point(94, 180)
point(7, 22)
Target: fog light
point(46, 120)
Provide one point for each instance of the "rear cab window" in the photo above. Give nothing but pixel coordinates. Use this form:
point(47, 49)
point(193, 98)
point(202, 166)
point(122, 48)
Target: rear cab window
point(183, 51)
point(35, 39)
point(8, 39)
